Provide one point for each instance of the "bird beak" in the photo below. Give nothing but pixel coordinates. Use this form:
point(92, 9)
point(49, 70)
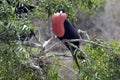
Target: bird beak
point(61, 12)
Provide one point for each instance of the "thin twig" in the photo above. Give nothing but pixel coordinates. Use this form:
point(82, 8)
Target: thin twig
point(84, 32)
point(35, 67)
point(79, 50)
point(52, 55)
point(51, 47)
point(43, 51)
point(32, 44)
point(88, 41)
point(47, 42)
point(39, 35)
point(61, 76)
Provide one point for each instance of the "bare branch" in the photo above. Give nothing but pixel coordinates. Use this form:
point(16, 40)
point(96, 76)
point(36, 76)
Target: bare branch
point(84, 32)
point(61, 76)
point(35, 67)
point(51, 47)
point(88, 41)
point(31, 44)
point(47, 42)
point(39, 35)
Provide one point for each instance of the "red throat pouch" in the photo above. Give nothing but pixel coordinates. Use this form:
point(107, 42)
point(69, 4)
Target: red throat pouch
point(58, 24)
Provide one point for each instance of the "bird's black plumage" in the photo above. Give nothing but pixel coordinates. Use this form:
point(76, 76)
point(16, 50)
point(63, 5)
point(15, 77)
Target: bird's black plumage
point(22, 8)
point(26, 37)
point(61, 10)
point(70, 33)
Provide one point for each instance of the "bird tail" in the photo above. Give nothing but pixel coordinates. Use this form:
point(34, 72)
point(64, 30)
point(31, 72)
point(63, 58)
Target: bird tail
point(77, 56)
point(74, 54)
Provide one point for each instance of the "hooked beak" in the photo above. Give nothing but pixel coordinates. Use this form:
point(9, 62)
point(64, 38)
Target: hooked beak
point(61, 12)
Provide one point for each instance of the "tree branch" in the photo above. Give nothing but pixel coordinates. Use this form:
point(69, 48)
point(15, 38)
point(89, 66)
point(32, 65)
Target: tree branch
point(88, 41)
point(84, 32)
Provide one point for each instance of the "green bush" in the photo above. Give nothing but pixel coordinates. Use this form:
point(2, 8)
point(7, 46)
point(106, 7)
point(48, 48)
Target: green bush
point(10, 51)
point(103, 61)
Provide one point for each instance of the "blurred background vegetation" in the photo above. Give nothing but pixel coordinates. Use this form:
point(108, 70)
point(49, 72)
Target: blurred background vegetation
point(103, 60)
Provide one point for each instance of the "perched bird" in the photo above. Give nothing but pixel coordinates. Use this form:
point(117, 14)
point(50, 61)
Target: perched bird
point(26, 37)
point(63, 29)
point(22, 8)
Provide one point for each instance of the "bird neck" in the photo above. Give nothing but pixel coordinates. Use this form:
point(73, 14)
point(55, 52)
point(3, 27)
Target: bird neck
point(58, 29)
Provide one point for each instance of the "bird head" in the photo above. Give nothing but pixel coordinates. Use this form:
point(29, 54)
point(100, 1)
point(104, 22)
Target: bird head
point(61, 11)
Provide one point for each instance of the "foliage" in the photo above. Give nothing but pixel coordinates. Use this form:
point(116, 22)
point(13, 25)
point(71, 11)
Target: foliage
point(10, 51)
point(51, 72)
point(92, 7)
point(49, 7)
point(103, 62)
point(70, 6)
point(10, 67)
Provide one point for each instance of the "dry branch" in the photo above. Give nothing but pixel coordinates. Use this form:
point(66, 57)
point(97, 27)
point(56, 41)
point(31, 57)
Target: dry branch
point(84, 32)
point(44, 51)
point(32, 65)
point(87, 41)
